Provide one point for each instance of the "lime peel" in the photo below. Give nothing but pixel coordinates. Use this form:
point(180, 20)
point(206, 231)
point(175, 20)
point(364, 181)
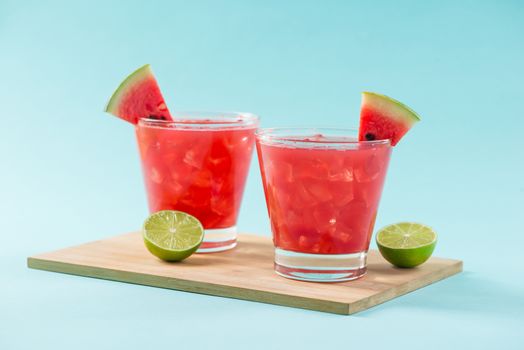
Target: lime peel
point(406, 244)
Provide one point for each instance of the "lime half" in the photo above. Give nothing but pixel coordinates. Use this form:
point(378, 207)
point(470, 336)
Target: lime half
point(172, 235)
point(406, 244)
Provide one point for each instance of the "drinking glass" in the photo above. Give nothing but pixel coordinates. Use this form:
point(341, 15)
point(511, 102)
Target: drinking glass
point(322, 188)
point(198, 164)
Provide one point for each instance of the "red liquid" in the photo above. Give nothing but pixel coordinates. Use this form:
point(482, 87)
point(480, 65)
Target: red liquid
point(323, 201)
point(198, 171)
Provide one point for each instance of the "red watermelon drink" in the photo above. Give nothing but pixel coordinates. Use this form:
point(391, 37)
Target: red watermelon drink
point(198, 164)
point(322, 190)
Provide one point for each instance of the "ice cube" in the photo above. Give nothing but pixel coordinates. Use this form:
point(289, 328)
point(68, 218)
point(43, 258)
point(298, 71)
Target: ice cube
point(286, 171)
point(353, 212)
point(343, 236)
point(345, 175)
point(202, 179)
point(230, 143)
point(324, 219)
point(196, 197)
point(302, 196)
point(374, 167)
point(316, 138)
point(320, 191)
point(221, 206)
point(221, 165)
point(217, 186)
point(156, 176)
point(344, 194)
point(370, 170)
point(316, 169)
point(175, 188)
point(194, 159)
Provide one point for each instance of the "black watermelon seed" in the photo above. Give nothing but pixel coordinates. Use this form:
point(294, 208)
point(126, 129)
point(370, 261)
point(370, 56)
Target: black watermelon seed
point(369, 136)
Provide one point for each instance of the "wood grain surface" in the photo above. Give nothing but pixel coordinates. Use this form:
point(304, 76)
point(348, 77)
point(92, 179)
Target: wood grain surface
point(245, 272)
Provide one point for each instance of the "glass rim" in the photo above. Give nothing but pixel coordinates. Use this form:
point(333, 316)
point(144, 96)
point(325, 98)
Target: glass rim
point(204, 120)
point(298, 136)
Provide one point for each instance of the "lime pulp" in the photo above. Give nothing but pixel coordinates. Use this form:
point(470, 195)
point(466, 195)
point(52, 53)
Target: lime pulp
point(172, 235)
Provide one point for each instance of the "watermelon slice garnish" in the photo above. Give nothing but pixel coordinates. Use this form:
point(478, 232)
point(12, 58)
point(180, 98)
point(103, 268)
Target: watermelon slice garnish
point(138, 96)
point(382, 117)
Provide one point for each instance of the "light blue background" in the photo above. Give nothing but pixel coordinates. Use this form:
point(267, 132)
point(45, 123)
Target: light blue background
point(70, 173)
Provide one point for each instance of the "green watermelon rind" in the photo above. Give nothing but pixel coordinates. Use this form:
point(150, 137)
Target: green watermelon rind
point(403, 112)
point(132, 79)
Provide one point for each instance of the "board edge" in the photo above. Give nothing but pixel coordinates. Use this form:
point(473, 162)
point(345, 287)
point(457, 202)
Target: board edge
point(205, 288)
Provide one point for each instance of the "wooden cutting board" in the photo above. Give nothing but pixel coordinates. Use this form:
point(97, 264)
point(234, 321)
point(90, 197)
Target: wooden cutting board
point(245, 272)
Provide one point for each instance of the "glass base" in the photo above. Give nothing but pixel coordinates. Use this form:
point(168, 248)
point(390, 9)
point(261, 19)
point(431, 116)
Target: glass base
point(218, 240)
point(320, 267)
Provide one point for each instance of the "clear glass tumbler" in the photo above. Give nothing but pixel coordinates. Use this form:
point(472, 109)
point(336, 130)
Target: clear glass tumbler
point(198, 164)
point(322, 189)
